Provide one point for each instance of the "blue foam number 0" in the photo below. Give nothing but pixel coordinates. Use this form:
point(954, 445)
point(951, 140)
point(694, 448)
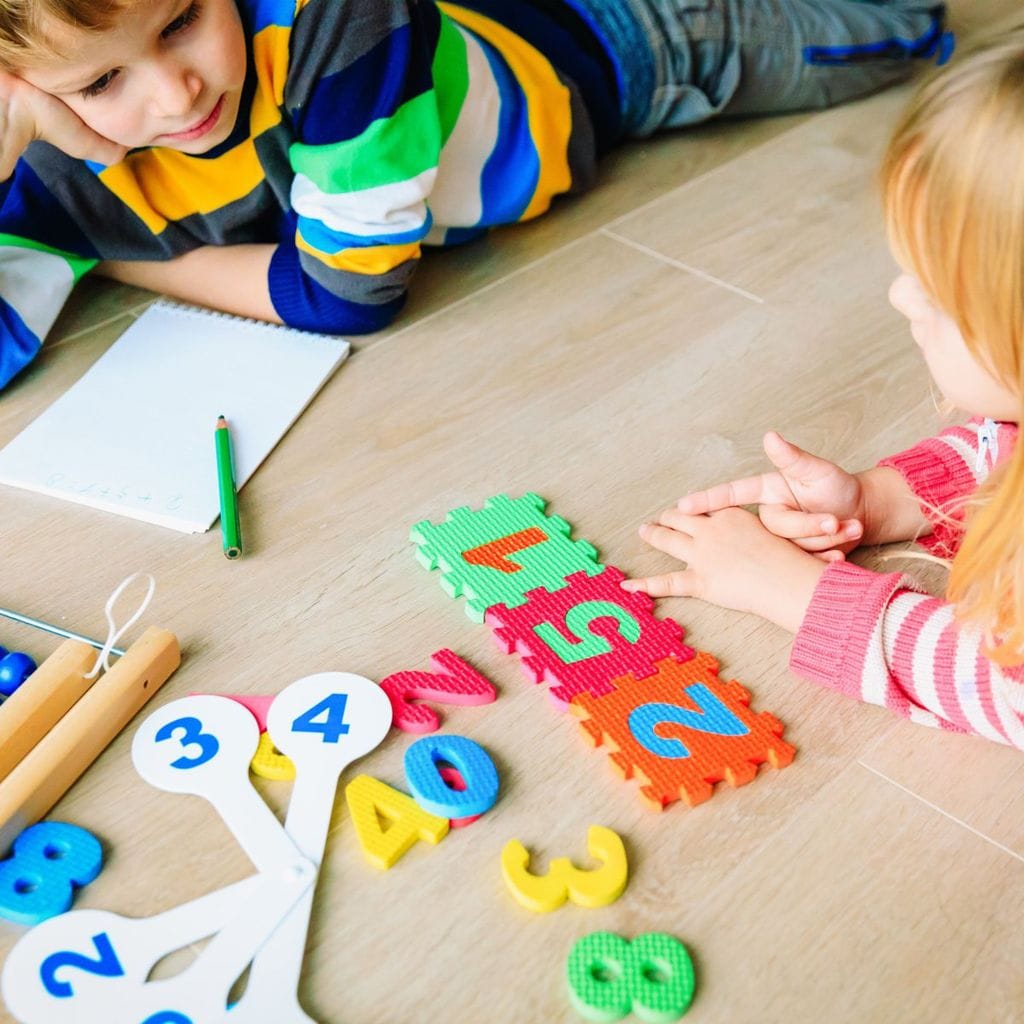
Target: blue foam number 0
point(192, 735)
point(423, 761)
point(167, 1017)
point(48, 859)
point(333, 726)
point(106, 965)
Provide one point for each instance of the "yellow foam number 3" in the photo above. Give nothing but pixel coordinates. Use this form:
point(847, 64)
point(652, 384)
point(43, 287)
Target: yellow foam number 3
point(372, 803)
point(595, 888)
point(269, 763)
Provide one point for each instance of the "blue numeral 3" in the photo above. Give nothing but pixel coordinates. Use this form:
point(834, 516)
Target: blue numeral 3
point(192, 734)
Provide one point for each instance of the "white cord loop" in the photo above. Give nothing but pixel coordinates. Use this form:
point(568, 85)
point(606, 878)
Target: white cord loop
point(113, 632)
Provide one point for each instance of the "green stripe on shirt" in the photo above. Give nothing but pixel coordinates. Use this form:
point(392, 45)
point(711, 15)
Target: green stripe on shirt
point(450, 72)
point(391, 150)
point(80, 265)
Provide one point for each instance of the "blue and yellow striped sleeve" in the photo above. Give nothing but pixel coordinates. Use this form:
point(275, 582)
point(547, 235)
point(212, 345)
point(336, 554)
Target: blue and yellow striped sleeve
point(369, 128)
point(42, 256)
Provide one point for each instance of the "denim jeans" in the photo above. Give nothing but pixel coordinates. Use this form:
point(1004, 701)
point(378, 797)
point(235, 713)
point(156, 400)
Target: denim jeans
point(679, 62)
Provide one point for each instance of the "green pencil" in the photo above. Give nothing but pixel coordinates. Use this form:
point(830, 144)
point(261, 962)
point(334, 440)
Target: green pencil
point(229, 526)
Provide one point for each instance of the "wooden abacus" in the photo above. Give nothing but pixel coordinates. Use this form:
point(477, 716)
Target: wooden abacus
point(58, 722)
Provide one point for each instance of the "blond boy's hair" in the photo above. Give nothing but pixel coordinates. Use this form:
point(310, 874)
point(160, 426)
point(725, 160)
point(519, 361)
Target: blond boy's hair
point(953, 184)
point(22, 34)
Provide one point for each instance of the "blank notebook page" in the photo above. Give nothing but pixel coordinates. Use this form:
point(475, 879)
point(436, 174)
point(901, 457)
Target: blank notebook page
point(134, 436)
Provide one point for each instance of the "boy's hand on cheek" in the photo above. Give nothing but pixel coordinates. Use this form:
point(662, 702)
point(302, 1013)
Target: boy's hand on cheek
point(28, 113)
point(732, 561)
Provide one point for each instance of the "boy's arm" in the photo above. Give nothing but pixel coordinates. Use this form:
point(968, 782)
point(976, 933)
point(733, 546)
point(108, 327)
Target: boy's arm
point(231, 278)
point(43, 254)
point(368, 124)
point(870, 636)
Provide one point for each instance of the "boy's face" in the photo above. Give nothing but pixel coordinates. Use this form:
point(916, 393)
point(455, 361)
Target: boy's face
point(169, 73)
point(958, 375)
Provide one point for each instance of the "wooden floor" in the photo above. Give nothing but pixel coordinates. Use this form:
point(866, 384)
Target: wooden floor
point(631, 347)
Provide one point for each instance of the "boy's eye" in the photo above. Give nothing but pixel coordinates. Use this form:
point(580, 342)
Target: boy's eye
point(100, 85)
point(182, 21)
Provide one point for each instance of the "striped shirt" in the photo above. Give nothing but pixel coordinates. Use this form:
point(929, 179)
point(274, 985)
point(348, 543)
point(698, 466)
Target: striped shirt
point(366, 130)
point(874, 637)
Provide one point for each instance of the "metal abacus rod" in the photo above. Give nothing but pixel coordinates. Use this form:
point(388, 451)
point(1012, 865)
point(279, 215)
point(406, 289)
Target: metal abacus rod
point(49, 627)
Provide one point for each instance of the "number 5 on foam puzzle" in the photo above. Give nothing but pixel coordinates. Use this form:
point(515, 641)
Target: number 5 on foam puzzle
point(657, 705)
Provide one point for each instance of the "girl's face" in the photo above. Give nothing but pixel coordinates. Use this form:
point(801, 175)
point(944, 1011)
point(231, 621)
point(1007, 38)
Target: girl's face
point(960, 378)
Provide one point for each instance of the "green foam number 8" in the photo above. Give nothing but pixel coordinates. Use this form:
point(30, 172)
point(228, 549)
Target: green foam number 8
point(650, 976)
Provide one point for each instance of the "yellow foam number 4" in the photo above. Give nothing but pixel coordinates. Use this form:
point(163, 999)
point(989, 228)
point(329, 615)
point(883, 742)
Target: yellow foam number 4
point(564, 881)
point(388, 822)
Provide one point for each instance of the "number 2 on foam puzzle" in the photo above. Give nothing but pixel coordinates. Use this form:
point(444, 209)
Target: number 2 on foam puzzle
point(657, 704)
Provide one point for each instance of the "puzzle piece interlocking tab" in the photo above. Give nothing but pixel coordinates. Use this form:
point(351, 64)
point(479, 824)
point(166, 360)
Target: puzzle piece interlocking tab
point(582, 636)
point(681, 730)
point(499, 553)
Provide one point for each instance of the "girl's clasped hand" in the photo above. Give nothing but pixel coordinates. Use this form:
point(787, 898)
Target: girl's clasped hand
point(809, 512)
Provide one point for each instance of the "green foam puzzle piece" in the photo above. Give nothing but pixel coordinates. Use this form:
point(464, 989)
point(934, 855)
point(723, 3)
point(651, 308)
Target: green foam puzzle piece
point(545, 564)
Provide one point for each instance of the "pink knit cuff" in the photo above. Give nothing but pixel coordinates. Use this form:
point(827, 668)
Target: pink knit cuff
point(940, 478)
point(832, 643)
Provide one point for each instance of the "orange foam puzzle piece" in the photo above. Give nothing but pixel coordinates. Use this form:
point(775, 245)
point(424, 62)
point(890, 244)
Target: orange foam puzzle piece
point(682, 730)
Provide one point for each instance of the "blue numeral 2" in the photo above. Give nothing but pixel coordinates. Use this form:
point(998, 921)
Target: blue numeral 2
point(107, 966)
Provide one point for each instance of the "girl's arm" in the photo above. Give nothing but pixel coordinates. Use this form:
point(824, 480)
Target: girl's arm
point(871, 636)
point(231, 278)
point(863, 633)
point(941, 472)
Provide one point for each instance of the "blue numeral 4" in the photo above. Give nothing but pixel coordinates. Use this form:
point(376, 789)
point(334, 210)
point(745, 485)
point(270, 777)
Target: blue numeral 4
point(332, 711)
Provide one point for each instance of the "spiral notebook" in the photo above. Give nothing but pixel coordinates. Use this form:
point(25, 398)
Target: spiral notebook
point(134, 435)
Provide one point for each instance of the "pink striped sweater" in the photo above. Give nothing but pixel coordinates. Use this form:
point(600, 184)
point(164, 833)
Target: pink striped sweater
point(877, 638)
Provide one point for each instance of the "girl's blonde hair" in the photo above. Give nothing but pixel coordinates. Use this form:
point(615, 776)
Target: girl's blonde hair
point(953, 186)
point(23, 37)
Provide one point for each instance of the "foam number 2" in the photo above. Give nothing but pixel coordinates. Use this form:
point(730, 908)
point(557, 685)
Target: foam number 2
point(609, 977)
point(49, 859)
point(104, 965)
point(712, 717)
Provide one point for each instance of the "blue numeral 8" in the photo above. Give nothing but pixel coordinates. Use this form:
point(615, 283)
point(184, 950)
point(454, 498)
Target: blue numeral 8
point(49, 858)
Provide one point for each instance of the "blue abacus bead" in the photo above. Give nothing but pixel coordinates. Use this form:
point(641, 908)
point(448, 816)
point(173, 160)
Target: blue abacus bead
point(50, 859)
point(15, 668)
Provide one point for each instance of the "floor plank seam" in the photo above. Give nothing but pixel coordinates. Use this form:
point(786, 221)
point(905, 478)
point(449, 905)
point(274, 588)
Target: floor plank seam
point(458, 303)
point(740, 155)
point(603, 229)
point(951, 817)
point(679, 265)
point(105, 322)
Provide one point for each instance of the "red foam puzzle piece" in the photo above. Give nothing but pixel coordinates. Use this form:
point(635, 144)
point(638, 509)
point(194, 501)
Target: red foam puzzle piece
point(452, 681)
point(680, 692)
point(259, 706)
point(602, 647)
